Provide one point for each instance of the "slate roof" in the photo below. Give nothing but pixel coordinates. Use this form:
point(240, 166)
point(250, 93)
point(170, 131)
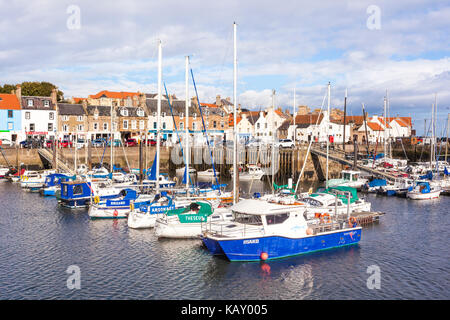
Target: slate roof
point(38, 103)
point(68, 109)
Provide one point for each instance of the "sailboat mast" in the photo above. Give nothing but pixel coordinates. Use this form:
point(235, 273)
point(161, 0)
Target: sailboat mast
point(328, 131)
point(186, 129)
point(385, 128)
point(111, 138)
point(345, 117)
point(446, 140)
point(294, 113)
point(235, 171)
point(158, 115)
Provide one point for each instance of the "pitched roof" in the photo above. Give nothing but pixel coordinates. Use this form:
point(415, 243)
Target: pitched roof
point(375, 126)
point(308, 119)
point(113, 94)
point(68, 109)
point(78, 100)
point(9, 101)
point(358, 120)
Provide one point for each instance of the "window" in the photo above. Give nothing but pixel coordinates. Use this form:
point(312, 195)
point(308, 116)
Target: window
point(154, 125)
point(10, 126)
point(77, 190)
point(195, 116)
point(265, 125)
point(133, 124)
point(214, 124)
point(194, 126)
point(10, 113)
point(96, 115)
point(30, 102)
point(181, 125)
point(125, 124)
point(222, 124)
point(32, 126)
point(51, 116)
point(46, 103)
point(80, 118)
point(141, 124)
point(65, 128)
point(50, 127)
point(27, 115)
point(95, 126)
point(124, 112)
point(164, 125)
point(65, 118)
point(276, 218)
point(80, 127)
point(140, 112)
point(105, 126)
point(181, 115)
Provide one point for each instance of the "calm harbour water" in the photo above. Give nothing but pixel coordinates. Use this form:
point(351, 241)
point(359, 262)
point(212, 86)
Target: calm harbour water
point(39, 240)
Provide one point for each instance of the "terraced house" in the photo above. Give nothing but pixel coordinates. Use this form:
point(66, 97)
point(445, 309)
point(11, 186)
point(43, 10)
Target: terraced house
point(10, 119)
point(72, 122)
point(39, 115)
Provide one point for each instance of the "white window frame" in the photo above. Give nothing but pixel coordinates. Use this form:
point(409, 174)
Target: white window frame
point(65, 128)
point(10, 125)
point(80, 118)
point(27, 115)
point(141, 124)
point(105, 126)
point(80, 127)
point(125, 124)
point(133, 124)
point(51, 116)
point(95, 126)
point(30, 102)
point(46, 103)
point(140, 112)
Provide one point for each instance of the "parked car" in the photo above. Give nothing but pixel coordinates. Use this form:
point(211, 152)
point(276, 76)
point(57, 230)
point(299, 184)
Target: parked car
point(131, 143)
point(66, 144)
point(116, 143)
point(26, 144)
point(98, 142)
point(285, 143)
point(150, 142)
point(81, 143)
point(5, 142)
point(49, 144)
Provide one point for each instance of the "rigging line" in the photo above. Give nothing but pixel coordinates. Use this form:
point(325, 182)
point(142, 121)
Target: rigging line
point(204, 129)
point(176, 130)
point(309, 146)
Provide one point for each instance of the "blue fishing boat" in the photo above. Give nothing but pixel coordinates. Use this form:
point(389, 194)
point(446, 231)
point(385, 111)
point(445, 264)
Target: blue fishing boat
point(264, 231)
point(53, 183)
point(78, 194)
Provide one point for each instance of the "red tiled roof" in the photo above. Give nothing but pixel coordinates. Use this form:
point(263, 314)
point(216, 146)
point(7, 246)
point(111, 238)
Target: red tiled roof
point(9, 101)
point(77, 100)
point(308, 119)
point(210, 105)
point(112, 94)
point(375, 126)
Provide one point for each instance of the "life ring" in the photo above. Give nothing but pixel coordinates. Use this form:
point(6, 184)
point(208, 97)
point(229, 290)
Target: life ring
point(323, 216)
point(352, 222)
point(115, 213)
point(96, 199)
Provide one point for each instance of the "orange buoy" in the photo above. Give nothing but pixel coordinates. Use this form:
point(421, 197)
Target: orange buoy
point(309, 232)
point(264, 256)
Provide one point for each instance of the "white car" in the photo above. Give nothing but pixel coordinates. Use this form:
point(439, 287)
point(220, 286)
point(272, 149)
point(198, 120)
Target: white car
point(5, 142)
point(285, 143)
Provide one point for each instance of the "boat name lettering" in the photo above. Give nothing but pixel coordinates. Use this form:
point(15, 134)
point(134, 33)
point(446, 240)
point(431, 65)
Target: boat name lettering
point(251, 241)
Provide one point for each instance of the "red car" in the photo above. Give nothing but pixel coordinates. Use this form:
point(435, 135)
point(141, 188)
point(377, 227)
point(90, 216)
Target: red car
point(131, 143)
point(49, 143)
point(66, 144)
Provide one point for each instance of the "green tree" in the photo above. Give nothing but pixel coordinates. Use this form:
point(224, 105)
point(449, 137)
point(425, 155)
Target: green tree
point(39, 89)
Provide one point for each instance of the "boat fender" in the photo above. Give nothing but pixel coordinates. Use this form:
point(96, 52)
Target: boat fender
point(96, 199)
point(264, 256)
point(175, 179)
point(317, 215)
point(309, 232)
point(131, 206)
point(352, 222)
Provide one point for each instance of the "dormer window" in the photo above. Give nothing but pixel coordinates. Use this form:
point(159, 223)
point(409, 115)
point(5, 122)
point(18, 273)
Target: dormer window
point(96, 114)
point(140, 112)
point(46, 103)
point(30, 102)
point(124, 112)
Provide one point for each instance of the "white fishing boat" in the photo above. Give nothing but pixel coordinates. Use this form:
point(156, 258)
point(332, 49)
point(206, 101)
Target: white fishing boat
point(349, 178)
point(187, 222)
point(424, 191)
point(180, 171)
point(208, 173)
point(253, 173)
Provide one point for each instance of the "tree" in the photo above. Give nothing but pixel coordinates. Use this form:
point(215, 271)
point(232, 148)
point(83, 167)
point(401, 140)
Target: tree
point(39, 89)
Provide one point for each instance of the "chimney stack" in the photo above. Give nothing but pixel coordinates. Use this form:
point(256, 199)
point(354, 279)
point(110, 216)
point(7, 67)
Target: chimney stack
point(54, 95)
point(18, 93)
point(218, 101)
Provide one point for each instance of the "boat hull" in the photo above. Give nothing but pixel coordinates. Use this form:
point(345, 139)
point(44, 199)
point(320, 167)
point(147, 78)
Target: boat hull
point(423, 196)
point(276, 247)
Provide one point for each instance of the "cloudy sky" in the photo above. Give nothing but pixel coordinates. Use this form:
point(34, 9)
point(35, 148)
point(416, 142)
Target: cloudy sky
point(367, 47)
